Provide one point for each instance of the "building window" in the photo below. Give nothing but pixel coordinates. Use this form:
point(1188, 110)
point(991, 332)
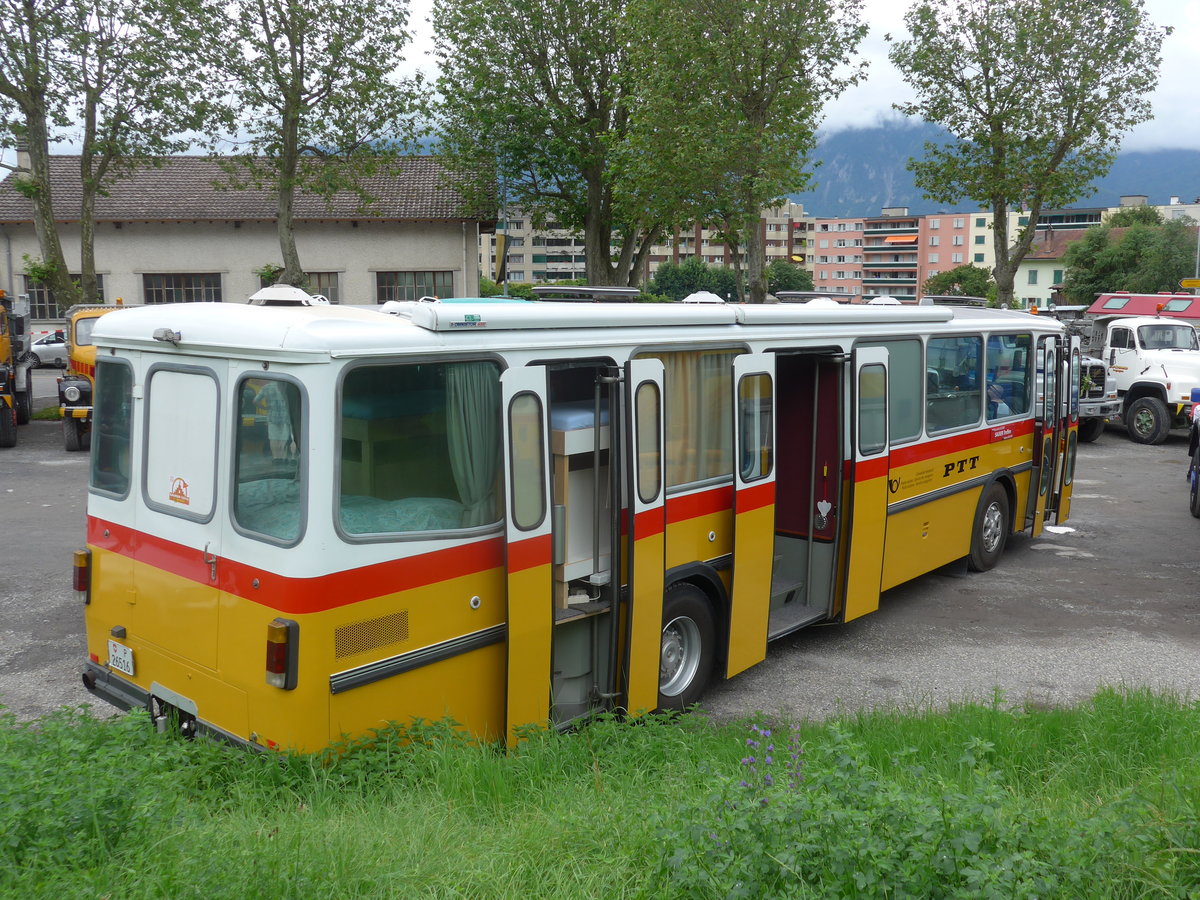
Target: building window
point(934, 240)
point(822, 259)
point(958, 240)
point(824, 244)
point(978, 257)
point(841, 242)
point(979, 239)
point(958, 223)
point(413, 285)
point(516, 276)
point(935, 223)
point(41, 302)
point(1022, 221)
point(182, 288)
point(1033, 276)
point(823, 275)
point(1058, 276)
point(933, 257)
point(956, 257)
point(981, 222)
point(839, 274)
point(932, 273)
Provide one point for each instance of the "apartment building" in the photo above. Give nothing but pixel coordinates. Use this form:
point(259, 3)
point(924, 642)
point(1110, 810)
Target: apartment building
point(555, 253)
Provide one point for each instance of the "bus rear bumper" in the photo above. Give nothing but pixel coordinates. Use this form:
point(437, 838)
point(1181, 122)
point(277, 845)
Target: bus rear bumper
point(113, 688)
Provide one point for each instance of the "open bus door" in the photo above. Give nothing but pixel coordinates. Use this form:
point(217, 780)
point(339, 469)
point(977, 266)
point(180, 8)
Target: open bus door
point(528, 548)
point(646, 529)
point(1046, 425)
point(1070, 368)
point(869, 481)
point(753, 509)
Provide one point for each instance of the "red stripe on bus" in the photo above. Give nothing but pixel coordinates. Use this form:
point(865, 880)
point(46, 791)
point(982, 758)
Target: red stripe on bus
point(649, 523)
point(870, 469)
point(705, 503)
point(300, 595)
point(915, 453)
point(755, 497)
point(529, 553)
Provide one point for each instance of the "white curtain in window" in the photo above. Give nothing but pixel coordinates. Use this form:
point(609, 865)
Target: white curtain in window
point(473, 433)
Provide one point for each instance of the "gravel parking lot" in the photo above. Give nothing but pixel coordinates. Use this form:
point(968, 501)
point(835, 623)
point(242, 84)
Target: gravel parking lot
point(1109, 600)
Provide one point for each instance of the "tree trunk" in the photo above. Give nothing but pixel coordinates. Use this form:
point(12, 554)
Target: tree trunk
point(58, 279)
point(289, 160)
point(756, 259)
point(597, 232)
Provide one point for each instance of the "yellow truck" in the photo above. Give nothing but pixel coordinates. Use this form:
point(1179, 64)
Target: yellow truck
point(76, 385)
point(16, 372)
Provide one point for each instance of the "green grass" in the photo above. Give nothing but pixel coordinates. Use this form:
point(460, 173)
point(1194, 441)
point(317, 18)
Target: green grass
point(48, 414)
point(981, 801)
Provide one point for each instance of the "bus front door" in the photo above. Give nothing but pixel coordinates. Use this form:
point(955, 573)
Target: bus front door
point(1046, 422)
point(753, 509)
point(869, 483)
point(530, 617)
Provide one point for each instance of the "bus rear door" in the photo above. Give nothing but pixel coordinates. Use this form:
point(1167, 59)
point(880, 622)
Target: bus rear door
point(646, 526)
point(528, 548)
point(753, 508)
point(1046, 423)
point(869, 480)
point(1068, 427)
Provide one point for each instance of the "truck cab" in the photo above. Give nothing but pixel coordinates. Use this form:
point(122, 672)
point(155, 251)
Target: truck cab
point(77, 383)
point(16, 380)
point(1155, 362)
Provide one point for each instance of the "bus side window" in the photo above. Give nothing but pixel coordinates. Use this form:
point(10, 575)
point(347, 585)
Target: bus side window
point(958, 404)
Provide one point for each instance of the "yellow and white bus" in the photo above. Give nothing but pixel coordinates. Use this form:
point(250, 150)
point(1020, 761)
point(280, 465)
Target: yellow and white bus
point(307, 521)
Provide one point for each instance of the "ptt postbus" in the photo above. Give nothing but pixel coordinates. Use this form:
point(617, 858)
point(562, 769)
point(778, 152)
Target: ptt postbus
point(307, 521)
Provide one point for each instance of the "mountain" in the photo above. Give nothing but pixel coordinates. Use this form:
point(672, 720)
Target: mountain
point(862, 170)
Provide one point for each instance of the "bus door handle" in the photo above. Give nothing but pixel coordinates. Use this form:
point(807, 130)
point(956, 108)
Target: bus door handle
point(211, 560)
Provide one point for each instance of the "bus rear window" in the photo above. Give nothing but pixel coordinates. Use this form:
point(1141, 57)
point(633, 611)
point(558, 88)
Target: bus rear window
point(111, 428)
point(267, 496)
point(420, 448)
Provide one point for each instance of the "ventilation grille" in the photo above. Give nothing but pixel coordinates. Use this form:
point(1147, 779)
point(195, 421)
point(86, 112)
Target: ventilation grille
point(369, 634)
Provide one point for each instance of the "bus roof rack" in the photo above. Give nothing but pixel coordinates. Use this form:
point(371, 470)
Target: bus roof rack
point(584, 292)
point(952, 300)
point(805, 296)
point(285, 295)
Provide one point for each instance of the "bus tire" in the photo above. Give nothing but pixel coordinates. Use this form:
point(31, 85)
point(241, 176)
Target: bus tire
point(8, 426)
point(1194, 493)
point(72, 434)
point(1090, 429)
point(25, 402)
point(1147, 421)
point(990, 532)
point(686, 654)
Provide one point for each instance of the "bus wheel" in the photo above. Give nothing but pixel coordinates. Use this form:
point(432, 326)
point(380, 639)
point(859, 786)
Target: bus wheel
point(990, 533)
point(1194, 496)
point(1090, 429)
point(8, 426)
point(686, 655)
point(1147, 420)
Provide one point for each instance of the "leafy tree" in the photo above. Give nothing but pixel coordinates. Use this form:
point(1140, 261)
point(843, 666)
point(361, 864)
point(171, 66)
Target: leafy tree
point(961, 281)
point(31, 107)
point(677, 280)
point(1135, 215)
point(1036, 96)
point(121, 77)
point(785, 276)
point(136, 70)
point(540, 91)
point(322, 107)
point(1142, 259)
point(728, 104)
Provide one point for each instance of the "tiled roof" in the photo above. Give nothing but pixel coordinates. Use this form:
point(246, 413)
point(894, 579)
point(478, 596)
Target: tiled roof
point(183, 188)
point(1052, 244)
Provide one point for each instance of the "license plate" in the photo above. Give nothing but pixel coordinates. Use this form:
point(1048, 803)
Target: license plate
point(120, 658)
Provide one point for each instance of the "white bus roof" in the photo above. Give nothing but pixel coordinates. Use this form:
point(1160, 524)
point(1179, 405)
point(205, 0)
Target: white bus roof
point(317, 333)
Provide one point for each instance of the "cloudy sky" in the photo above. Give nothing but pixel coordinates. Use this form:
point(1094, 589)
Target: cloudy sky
point(1176, 120)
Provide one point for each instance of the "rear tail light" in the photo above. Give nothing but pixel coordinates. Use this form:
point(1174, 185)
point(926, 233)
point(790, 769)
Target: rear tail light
point(82, 575)
point(283, 648)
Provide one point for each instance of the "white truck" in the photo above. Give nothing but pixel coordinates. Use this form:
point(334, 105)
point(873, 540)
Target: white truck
point(1155, 362)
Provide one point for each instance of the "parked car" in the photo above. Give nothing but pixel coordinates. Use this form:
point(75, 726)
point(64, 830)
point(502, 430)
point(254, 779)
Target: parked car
point(49, 350)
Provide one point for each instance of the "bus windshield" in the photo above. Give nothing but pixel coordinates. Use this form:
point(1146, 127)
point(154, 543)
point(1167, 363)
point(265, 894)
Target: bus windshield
point(1167, 336)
